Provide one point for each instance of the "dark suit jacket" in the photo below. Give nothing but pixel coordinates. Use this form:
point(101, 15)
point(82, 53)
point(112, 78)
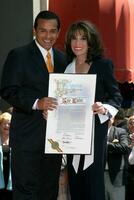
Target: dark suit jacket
point(107, 91)
point(25, 79)
point(116, 151)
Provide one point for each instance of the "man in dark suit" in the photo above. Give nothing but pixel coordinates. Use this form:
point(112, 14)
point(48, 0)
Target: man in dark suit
point(25, 86)
point(115, 170)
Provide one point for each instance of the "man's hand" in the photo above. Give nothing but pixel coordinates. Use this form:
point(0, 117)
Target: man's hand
point(47, 103)
point(45, 114)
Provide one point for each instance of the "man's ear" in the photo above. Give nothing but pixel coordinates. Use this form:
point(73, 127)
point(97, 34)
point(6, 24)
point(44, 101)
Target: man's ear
point(58, 32)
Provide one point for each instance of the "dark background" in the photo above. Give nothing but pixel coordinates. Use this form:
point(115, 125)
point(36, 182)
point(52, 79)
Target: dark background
point(16, 22)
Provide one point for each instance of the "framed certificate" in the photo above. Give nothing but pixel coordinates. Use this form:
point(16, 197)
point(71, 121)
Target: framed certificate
point(69, 127)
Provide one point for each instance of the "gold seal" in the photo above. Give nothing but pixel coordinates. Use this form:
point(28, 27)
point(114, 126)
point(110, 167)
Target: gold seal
point(55, 145)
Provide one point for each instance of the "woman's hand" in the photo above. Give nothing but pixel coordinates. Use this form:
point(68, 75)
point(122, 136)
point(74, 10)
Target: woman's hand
point(98, 108)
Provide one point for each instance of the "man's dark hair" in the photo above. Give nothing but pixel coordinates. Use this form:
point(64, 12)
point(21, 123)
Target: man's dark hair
point(47, 15)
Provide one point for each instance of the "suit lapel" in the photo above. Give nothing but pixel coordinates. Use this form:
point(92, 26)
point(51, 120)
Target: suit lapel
point(57, 61)
point(38, 60)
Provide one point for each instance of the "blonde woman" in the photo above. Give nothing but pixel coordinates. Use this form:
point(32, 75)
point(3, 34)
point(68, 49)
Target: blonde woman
point(5, 173)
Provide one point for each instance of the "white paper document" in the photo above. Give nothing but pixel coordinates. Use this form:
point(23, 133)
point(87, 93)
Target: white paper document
point(69, 127)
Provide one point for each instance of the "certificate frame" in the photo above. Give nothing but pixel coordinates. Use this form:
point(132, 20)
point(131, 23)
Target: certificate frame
point(69, 127)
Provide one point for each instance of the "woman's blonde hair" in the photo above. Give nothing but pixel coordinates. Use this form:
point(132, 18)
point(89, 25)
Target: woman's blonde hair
point(5, 116)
